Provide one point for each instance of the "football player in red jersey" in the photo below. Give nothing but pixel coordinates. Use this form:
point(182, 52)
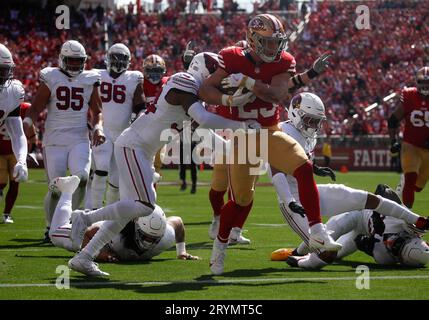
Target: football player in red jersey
point(414, 108)
point(154, 70)
point(7, 163)
point(267, 70)
point(219, 182)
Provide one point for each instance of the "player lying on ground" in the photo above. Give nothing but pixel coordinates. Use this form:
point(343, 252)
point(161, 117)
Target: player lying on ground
point(135, 149)
point(307, 112)
point(140, 239)
point(387, 239)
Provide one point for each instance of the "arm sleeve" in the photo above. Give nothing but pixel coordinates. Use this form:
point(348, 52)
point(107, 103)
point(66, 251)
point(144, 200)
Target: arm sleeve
point(282, 188)
point(210, 120)
point(19, 141)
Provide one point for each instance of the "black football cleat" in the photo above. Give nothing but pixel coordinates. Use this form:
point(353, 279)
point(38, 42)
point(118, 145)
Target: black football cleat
point(47, 239)
point(292, 261)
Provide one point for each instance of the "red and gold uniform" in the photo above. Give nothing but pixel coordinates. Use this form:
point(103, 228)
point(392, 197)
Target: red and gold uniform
point(284, 153)
point(415, 145)
point(7, 158)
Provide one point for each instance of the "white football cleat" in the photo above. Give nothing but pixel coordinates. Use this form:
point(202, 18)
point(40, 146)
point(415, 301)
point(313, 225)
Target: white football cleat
point(64, 184)
point(236, 237)
point(323, 240)
point(86, 266)
point(400, 186)
point(78, 228)
point(214, 228)
point(7, 219)
point(217, 259)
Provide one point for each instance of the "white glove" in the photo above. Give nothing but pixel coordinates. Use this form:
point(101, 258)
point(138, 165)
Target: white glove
point(239, 99)
point(20, 172)
point(238, 80)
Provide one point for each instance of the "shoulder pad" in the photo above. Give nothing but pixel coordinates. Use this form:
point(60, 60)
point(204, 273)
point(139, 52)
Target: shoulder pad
point(137, 76)
point(91, 77)
point(45, 73)
point(185, 82)
point(18, 90)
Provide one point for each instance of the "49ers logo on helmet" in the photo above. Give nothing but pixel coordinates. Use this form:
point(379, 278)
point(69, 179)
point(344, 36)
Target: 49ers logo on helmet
point(257, 24)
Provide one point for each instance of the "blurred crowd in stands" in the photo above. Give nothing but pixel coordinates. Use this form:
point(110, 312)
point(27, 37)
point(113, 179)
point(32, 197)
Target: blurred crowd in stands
point(366, 64)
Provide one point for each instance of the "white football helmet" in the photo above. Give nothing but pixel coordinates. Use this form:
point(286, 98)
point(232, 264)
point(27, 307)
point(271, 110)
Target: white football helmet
point(72, 58)
point(150, 229)
point(118, 58)
point(7, 66)
point(203, 65)
point(307, 113)
point(414, 252)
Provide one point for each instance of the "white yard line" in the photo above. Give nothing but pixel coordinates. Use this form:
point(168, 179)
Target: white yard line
point(232, 281)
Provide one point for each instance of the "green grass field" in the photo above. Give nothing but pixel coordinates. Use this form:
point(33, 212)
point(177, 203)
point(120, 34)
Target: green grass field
point(27, 267)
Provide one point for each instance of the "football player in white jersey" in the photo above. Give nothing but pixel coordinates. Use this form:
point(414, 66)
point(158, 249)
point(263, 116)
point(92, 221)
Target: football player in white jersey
point(68, 91)
point(11, 97)
point(307, 113)
point(135, 149)
point(141, 239)
point(387, 239)
point(121, 93)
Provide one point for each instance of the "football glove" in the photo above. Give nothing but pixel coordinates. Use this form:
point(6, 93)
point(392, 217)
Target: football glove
point(395, 147)
point(297, 208)
point(366, 243)
point(238, 80)
point(188, 55)
point(187, 256)
point(238, 99)
point(20, 172)
point(320, 65)
point(324, 172)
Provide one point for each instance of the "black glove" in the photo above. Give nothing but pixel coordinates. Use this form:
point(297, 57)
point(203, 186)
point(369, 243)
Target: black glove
point(324, 172)
point(297, 208)
point(395, 147)
point(377, 223)
point(366, 243)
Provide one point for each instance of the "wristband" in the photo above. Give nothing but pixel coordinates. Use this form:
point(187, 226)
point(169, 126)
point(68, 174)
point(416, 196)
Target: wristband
point(28, 121)
point(180, 248)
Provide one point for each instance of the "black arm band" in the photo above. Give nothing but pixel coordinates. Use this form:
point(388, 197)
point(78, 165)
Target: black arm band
point(297, 83)
point(312, 73)
point(393, 122)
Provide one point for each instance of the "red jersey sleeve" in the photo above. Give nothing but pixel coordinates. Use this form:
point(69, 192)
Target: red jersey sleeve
point(288, 63)
point(227, 59)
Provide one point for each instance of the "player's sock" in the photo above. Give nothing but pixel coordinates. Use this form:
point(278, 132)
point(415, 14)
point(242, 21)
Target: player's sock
point(98, 188)
point(124, 209)
point(11, 196)
point(112, 194)
point(50, 203)
point(62, 212)
point(301, 250)
point(308, 193)
point(79, 195)
point(242, 215)
point(388, 207)
point(227, 217)
point(409, 188)
point(216, 201)
point(108, 230)
point(312, 261)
